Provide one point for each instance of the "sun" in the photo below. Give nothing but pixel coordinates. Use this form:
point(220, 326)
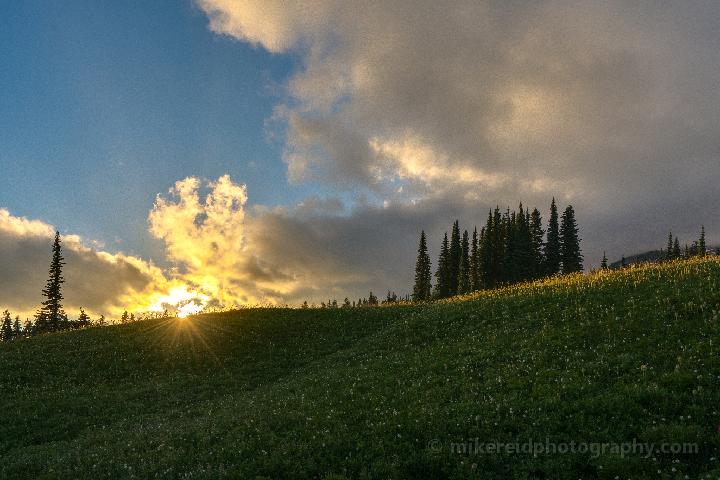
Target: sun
point(181, 299)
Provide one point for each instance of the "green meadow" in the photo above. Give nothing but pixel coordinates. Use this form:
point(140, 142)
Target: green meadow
point(550, 380)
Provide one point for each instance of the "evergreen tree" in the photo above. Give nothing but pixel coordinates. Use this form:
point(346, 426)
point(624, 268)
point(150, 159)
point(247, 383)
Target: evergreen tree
point(442, 274)
point(372, 299)
point(523, 259)
point(669, 254)
point(604, 263)
point(487, 252)
point(475, 263)
point(422, 288)
point(536, 243)
point(701, 247)
point(17, 329)
point(83, 318)
point(464, 270)
point(51, 316)
point(570, 242)
point(6, 331)
point(28, 328)
point(552, 247)
point(125, 317)
point(676, 249)
point(455, 254)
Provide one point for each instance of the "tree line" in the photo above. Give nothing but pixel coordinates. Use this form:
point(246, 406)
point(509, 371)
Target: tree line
point(51, 316)
point(511, 247)
point(671, 251)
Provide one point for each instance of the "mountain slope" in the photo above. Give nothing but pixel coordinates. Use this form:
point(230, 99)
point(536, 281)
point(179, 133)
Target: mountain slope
point(387, 392)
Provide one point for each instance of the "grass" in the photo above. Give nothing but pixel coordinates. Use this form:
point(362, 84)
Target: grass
point(388, 392)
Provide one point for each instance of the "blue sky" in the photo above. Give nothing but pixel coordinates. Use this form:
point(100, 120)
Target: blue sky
point(105, 104)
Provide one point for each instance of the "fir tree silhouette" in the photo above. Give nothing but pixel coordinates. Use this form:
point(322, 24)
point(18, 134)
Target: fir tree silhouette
point(422, 287)
point(51, 316)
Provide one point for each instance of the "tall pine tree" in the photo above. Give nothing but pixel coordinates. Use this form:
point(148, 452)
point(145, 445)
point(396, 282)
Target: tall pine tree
point(669, 254)
point(455, 254)
point(536, 243)
point(422, 287)
point(442, 273)
point(570, 242)
point(17, 329)
point(475, 263)
point(464, 270)
point(552, 247)
point(701, 246)
point(51, 316)
point(677, 253)
point(6, 332)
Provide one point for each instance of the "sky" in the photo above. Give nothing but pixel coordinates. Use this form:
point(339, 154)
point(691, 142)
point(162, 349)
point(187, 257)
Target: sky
point(233, 152)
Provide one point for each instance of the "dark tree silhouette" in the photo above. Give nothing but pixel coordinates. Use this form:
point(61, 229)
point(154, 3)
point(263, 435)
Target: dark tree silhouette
point(570, 242)
point(552, 247)
point(604, 263)
point(6, 332)
point(28, 328)
point(422, 288)
point(669, 255)
point(51, 317)
point(442, 273)
point(454, 255)
point(536, 243)
point(475, 263)
point(464, 270)
point(677, 253)
point(701, 246)
point(83, 318)
point(17, 329)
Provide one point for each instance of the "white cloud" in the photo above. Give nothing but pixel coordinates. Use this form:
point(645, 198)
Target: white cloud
point(611, 105)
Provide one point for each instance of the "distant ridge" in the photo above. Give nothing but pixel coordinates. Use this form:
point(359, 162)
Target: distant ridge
point(652, 256)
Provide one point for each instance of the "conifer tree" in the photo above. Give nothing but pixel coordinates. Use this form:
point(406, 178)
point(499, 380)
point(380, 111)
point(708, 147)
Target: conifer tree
point(454, 256)
point(676, 248)
point(701, 246)
point(6, 331)
point(51, 316)
point(464, 270)
point(83, 318)
point(422, 288)
point(604, 263)
point(536, 243)
point(28, 328)
point(487, 252)
point(570, 242)
point(669, 254)
point(442, 273)
point(552, 247)
point(499, 246)
point(475, 263)
point(17, 329)
point(523, 262)
point(125, 317)
point(372, 299)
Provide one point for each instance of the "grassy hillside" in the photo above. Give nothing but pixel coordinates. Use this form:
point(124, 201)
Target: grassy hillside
point(382, 392)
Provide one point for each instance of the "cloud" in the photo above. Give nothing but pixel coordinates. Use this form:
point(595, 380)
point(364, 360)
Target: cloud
point(206, 237)
point(609, 105)
point(101, 282)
